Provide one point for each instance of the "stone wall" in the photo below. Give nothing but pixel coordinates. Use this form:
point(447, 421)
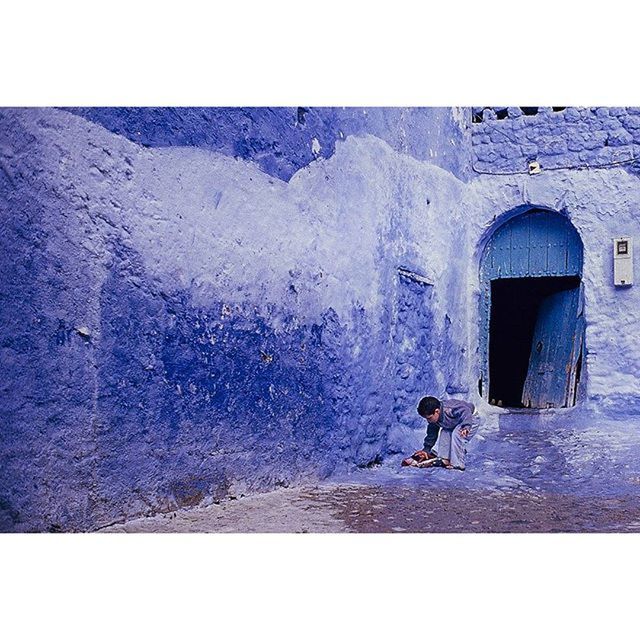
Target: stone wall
point(571, 138)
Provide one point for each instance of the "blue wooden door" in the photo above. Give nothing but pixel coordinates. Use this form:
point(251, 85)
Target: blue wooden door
point(556, 350)
point(535, 244)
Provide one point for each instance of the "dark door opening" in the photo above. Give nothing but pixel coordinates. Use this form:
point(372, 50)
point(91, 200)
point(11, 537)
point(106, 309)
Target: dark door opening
point(523, 309)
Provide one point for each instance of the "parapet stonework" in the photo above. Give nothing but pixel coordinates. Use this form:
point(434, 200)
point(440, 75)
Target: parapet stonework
point(506, 140)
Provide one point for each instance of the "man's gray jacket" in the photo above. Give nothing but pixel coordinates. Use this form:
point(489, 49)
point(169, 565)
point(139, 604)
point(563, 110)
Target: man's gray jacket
point(453, 413)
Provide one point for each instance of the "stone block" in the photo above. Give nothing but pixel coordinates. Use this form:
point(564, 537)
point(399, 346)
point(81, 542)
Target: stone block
point(609, 155)
point(575, 143)
point(616, 112)
point(552, 146)
point(557, 130)
point(595, 140)
point(620, 154)
point(599, 157)
point(561, 161)
point(523, 136)
point(480, 150)
point(631, 122)
point(586, 157)
point(485, 153)
point(572, 114)
point(514, 112)
point(509, 151)
point(619, 138)
point(529, 151)
point(611, 124)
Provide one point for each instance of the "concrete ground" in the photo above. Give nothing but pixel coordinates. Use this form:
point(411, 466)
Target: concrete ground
point(523, 475)
point(361, 508)
point(388, 499)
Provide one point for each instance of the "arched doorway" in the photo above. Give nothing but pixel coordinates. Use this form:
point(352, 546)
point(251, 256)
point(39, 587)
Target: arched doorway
point(532, 312)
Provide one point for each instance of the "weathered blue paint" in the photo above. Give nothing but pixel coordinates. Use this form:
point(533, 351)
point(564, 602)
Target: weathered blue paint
point(556, 349)
point(536, 243)
point(532, 244)
point(178, 326)
point(214, 396)
point(413, 336)
point(282, 140)
point(143, 371)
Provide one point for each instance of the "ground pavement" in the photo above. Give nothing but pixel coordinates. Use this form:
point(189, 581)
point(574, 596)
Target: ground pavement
point(522, 476)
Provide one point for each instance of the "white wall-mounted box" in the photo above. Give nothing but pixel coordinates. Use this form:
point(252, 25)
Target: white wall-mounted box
point(623, 261)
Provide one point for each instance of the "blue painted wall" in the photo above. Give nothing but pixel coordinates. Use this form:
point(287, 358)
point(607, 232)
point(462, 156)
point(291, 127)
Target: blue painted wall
point(179, 327)
point(190, 311)
point(573, 138)
point(281, 139)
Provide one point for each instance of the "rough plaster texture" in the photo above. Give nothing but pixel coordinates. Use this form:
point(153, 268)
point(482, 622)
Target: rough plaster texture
point(178, 326)
point(601, 204)
point(282, 140)
point(577, 138)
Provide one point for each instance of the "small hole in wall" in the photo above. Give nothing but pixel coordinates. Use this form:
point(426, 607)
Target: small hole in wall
point(529, 111)
point(476, 115)
point(302, 112)
point(558, 108)
point(501, 114)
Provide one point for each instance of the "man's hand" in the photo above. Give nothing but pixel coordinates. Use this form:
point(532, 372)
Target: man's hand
point(464, 432)
point(420, 456)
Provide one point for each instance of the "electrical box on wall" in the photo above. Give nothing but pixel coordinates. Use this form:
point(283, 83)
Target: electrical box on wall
point(623, 261)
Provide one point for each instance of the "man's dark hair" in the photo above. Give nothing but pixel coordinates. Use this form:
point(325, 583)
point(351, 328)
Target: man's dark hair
point(428, 405)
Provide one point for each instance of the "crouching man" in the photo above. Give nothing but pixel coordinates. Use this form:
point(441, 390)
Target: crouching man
point(451, 425)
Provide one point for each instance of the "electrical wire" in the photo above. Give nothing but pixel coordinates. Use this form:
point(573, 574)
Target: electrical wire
point(572, 167)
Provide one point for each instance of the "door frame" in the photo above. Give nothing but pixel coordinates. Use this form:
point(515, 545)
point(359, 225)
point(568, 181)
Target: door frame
point(490, 269)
